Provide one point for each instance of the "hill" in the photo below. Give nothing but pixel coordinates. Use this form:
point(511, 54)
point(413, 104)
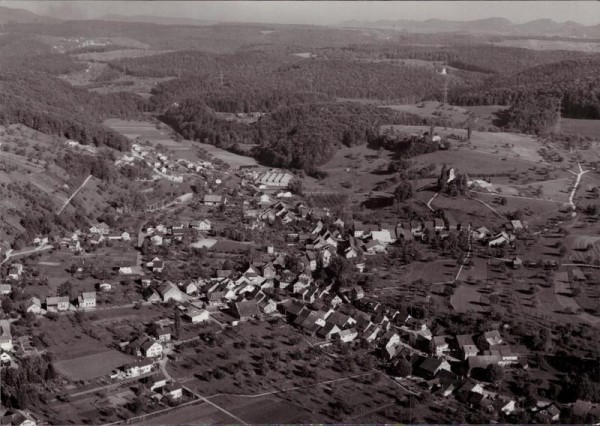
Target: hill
point(9, 15)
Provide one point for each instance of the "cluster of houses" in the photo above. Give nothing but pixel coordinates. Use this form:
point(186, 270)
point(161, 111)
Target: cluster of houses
point(155, 382)
point(160, 163)
point(164, 235)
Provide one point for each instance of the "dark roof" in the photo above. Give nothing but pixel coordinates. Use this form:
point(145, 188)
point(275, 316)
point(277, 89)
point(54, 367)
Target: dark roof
point(247, 309)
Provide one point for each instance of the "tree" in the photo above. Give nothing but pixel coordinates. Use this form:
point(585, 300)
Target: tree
point(65, 289)
point(494, 373)
point(403, 191)
point(402, 368)
point(177, 321)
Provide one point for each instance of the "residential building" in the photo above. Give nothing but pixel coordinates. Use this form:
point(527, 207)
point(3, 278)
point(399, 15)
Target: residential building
point(214, 200)
point(466, 345)
point(60, 303)
point(15, 271)
point(151, 349)
point(87, 300)
point(195, 315)
point(173, 390)
point(201, 225)
point(5, 336)
point(138, 368)
point(246, 310)
point(33, 305)
point(5, 289)
point(100, 228)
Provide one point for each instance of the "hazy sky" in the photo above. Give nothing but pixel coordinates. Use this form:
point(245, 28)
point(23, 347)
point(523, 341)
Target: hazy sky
point(321, 12)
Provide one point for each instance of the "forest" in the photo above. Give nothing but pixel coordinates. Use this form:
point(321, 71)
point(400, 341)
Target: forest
point(301, 136)
point(52, 106)
point(265, 72)
point(576, 82)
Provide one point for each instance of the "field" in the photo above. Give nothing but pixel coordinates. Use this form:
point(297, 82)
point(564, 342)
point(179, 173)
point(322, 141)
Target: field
point(194, 414)
point(432, 109)
point(92, 366)
point(159, 134)
point(572, 126)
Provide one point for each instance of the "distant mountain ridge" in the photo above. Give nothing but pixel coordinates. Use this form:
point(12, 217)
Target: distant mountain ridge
point(162, 20)
point(22, 16)
point(499, 26)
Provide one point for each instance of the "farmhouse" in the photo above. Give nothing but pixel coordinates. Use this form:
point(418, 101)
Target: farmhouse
point(430, 367)
point(87, 300)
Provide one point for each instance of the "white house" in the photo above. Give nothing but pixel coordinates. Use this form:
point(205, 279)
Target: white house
point(201, 225)
point(87, 300)
point(156, 240)
point(195, 315)
point(15, 271)
point(5, 336)
point(151, 349)
point(100, 228)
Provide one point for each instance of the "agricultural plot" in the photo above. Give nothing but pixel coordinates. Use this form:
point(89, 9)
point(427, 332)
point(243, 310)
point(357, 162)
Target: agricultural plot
point(572, 126)
point(92, 366)
point(267, 409)
point(194, 414)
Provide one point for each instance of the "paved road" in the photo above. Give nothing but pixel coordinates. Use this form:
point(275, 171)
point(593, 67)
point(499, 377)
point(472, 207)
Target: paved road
point(10, 254)
point(577, 181)
point(66, 203)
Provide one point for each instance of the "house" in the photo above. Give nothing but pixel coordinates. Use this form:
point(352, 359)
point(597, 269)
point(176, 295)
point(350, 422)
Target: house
point(138, 368)
point(499, 239)
point(375, 247)
point(57, 303)
point(492, 338)
point(201, 225)
point(384, 236)
point(267, 306)
point(348, 335)
point(151, 349)
point(269, 271)
point(173, 390)
point(190, 288)
point(162, 334)
point(439, 345)
point(104, 286)
point(87, 300)
point(15, 417)
point(466, 345)
point(5, 336)
point(157, 381)
point(5, 289)
point(339, 319)
point(214, 200)
point(33, 305)
point(15, 271)
point(130, 270)
point(152, 297)
point(156, 264)
point(517, 263)
point(169, 291)
point(357, 293)
point(125, 236)
point(504, 404)
point(156, 240)
point(246, 310)
point(430, 367)
point(100, 228)
point(515, 225)
point(195, 315)
point(328, 331)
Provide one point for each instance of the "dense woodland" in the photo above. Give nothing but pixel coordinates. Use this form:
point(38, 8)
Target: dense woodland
point(575, 82)
point(302, 136)
point(52, 106)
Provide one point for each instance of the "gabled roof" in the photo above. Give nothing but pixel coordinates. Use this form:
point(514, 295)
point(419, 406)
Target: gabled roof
point(247, 309)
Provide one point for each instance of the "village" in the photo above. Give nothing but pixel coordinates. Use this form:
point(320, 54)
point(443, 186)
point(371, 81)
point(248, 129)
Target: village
point(313, 275)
